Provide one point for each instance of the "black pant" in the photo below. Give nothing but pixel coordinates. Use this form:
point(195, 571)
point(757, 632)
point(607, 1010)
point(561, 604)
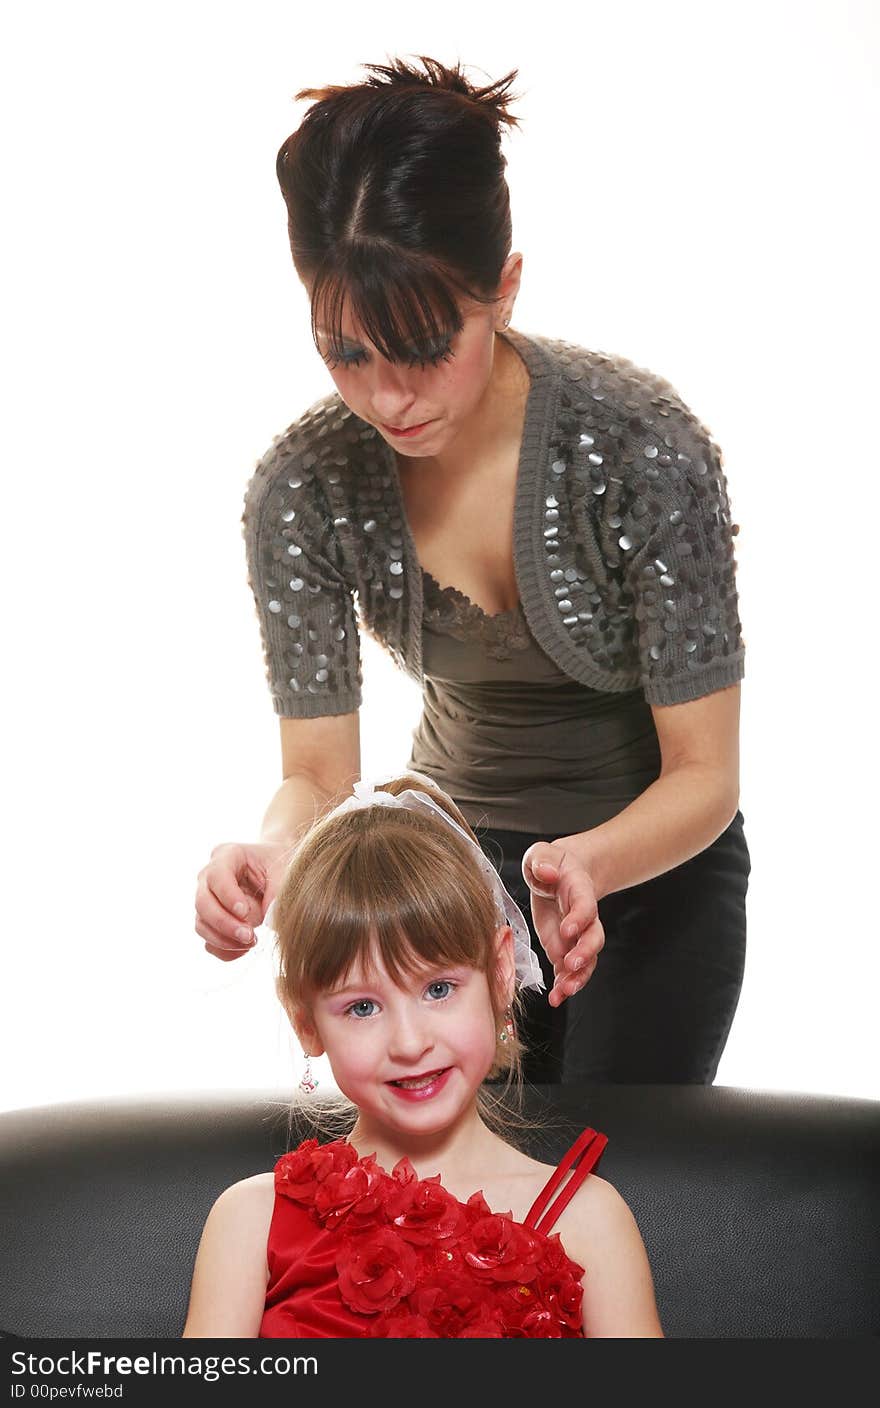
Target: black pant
point(660, 1003)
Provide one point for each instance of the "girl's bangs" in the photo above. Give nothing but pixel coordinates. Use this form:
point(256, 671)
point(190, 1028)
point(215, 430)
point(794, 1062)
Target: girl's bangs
point(403, 945)
point(406, 920)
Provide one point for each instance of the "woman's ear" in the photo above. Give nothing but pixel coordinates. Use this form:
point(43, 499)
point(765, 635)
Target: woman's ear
point(301, 1021)
point(511, 275)
point(505, 963)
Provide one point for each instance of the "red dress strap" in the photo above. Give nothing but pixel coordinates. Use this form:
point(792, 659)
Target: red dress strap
point(583, 1156)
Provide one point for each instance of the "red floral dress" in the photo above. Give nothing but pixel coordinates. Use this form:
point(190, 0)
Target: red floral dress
point(358, 1253)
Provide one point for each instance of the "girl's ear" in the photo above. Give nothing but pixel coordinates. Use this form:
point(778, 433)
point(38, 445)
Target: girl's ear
point(505, 963)
point(301, 1021)
point(306, 1032)
point(307, 1035)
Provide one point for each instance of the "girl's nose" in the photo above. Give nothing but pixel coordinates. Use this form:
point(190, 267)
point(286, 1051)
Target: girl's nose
point(410, 1041)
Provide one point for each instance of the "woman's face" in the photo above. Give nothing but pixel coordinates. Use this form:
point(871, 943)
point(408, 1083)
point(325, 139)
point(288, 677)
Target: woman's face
point(435, 401)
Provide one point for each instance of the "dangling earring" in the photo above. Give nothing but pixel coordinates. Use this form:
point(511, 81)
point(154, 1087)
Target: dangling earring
point(508, 1031)
point(307, 1081)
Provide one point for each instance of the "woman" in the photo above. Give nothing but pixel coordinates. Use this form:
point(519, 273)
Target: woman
point(540, 535)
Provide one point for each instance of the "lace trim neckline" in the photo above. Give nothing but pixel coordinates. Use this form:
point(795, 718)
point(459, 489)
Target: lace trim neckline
point(468, 606)
point(449, 611)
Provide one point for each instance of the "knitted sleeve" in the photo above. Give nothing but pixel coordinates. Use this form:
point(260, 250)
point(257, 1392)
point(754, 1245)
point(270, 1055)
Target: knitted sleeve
point(305, 603)
point(683, 576)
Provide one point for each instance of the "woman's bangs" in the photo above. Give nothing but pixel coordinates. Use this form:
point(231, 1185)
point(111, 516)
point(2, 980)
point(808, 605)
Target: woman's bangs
point(408, 311)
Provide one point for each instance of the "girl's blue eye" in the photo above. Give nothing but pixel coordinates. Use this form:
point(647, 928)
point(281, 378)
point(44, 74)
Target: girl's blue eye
point(356, 1008)
point(446, 989)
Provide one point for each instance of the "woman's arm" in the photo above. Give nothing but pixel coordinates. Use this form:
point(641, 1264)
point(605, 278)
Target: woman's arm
point(685, 810)
point(692, 801)
point(320, 760)
point(618, 1298)
point(228, 1292)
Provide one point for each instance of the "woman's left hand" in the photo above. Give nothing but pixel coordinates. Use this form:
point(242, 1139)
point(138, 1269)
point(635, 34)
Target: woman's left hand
point(565, 912)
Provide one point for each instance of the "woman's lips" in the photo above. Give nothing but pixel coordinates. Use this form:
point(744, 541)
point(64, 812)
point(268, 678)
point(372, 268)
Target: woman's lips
point(432, 1086)
point(409, 430)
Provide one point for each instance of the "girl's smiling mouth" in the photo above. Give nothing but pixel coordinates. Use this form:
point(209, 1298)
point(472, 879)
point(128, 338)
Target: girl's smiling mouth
point(421, 1087)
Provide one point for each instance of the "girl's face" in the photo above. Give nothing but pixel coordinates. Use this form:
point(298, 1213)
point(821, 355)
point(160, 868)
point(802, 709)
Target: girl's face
point(410, 1052)
point(420, 409)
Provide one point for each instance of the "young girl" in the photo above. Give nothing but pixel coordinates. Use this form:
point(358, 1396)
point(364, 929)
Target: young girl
point(400, 955)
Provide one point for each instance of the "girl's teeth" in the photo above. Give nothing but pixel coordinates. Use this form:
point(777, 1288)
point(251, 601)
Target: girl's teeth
point(418, 1082)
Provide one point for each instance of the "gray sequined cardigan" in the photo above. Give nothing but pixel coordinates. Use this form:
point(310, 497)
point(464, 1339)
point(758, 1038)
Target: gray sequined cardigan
point(623, 541)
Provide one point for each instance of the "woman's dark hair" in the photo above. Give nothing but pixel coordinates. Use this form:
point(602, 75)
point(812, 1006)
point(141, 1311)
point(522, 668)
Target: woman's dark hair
point(396, 198)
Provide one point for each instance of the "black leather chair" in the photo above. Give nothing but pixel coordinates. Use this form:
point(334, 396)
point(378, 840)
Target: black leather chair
point(760, 1211)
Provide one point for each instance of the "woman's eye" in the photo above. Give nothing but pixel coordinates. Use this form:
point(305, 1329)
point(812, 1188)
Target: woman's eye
point(438, 991)
point(433, 359)
point(357, 1009)
point(443, 355)
point(352, 361)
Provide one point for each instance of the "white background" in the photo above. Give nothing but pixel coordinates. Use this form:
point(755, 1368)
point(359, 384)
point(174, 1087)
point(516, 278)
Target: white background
point(691, 189)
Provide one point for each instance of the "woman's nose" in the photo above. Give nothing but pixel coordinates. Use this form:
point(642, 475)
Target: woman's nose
point(393, 394)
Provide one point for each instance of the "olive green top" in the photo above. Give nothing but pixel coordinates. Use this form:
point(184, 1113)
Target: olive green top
point(517, 743)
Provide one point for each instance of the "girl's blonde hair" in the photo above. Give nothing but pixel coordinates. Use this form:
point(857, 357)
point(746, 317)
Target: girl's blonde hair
point(394, 884)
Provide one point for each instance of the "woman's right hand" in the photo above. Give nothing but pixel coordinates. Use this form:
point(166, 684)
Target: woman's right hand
point(234, 892)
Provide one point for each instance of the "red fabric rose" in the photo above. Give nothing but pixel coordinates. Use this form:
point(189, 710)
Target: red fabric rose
point(559, 1280)
point(477, 1207)
point(423, 1212)
point(450, 1303)
point(355, 1195)
point(487, 1329)
point(403, 1172)
point(564, 1297)
point(499, 1249)
point(555, 1261)
point(376, 1270)
point(402, 1327)
point(299, 1173)
point(540, 1324)
point(514, 1302)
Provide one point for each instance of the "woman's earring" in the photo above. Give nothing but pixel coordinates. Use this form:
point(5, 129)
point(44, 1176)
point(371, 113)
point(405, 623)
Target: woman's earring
point(508, 1031)
point(307, 1081)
